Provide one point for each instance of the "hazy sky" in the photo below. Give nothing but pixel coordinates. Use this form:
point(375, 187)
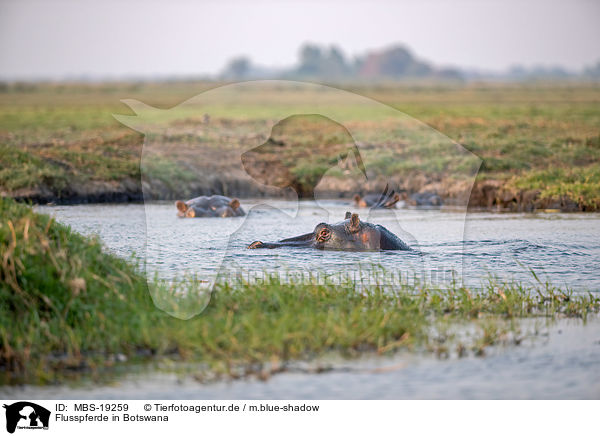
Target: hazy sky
point(54, 39)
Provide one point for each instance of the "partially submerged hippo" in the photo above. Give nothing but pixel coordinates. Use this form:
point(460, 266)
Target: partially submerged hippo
point(385, 200)
point(427, 198)
point(352, 234)
point(213, 206)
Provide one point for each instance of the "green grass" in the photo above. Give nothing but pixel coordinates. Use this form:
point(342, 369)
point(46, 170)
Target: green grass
point(62, 297)
point(21, 169)
point(58, 166)
point(167, 171)
point(67, 308)
point(579, 184)
point(65, 134)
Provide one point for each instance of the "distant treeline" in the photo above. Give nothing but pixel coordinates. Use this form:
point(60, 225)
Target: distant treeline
point(392, 63)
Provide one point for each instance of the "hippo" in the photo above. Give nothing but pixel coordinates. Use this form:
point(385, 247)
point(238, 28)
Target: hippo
point(427, 198)
point(213, 206)
point(352, 234)
point(385, 200)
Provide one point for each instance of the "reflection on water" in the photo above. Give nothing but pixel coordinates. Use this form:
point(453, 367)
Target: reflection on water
point(562, 248)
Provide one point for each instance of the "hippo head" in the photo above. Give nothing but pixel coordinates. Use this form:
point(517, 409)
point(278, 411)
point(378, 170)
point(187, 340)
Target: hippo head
point(352, 234)
point(386, 200)
point(213, 206)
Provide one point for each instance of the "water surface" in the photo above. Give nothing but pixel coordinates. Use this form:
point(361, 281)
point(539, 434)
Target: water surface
point(561, 248)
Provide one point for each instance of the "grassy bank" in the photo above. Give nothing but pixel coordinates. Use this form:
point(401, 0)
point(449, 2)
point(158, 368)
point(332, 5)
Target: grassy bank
point(67, 308)
point(540, 143)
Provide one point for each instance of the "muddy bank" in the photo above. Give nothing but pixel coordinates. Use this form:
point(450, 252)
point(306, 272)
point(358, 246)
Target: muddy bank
point(492, 195)
point(128, 190)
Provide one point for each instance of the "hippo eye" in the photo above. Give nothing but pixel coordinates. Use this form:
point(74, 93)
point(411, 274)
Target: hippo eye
point(324, 234)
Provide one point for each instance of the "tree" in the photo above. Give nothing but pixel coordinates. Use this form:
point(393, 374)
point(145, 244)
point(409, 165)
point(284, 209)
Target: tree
point(237, 68)
point(593, 72)
point(311, 59)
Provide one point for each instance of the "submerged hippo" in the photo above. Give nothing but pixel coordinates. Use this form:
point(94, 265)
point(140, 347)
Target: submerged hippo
point(385, 200)
point(427, 198)
point(352, 234)
point(213, 206)
point(378, 201)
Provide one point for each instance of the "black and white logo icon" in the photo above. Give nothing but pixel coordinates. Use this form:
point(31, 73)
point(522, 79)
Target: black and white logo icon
point(26, 415)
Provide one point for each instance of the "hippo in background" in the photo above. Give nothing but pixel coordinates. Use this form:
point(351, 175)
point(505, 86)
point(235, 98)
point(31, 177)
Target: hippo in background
point(426, 199)
point(213, 206)
point(388, 200)
point(352, 234)
point(385, 200)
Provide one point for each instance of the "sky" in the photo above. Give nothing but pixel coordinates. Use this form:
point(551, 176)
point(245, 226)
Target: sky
point(114, 39)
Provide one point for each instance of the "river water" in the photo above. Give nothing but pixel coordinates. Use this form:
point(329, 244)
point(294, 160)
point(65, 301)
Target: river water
point(560, 360)
point(448, 244)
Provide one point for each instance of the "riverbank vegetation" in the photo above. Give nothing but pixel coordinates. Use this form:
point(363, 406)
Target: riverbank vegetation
point(70, 309)
point(540, 143)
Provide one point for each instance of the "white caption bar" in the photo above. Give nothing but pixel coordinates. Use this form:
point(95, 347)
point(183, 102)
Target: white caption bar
point(264, 417)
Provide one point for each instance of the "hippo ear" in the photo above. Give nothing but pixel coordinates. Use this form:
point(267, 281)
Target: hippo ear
point(348, 215)
point(181, 206)
point(354, 225)
point(234, 204)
